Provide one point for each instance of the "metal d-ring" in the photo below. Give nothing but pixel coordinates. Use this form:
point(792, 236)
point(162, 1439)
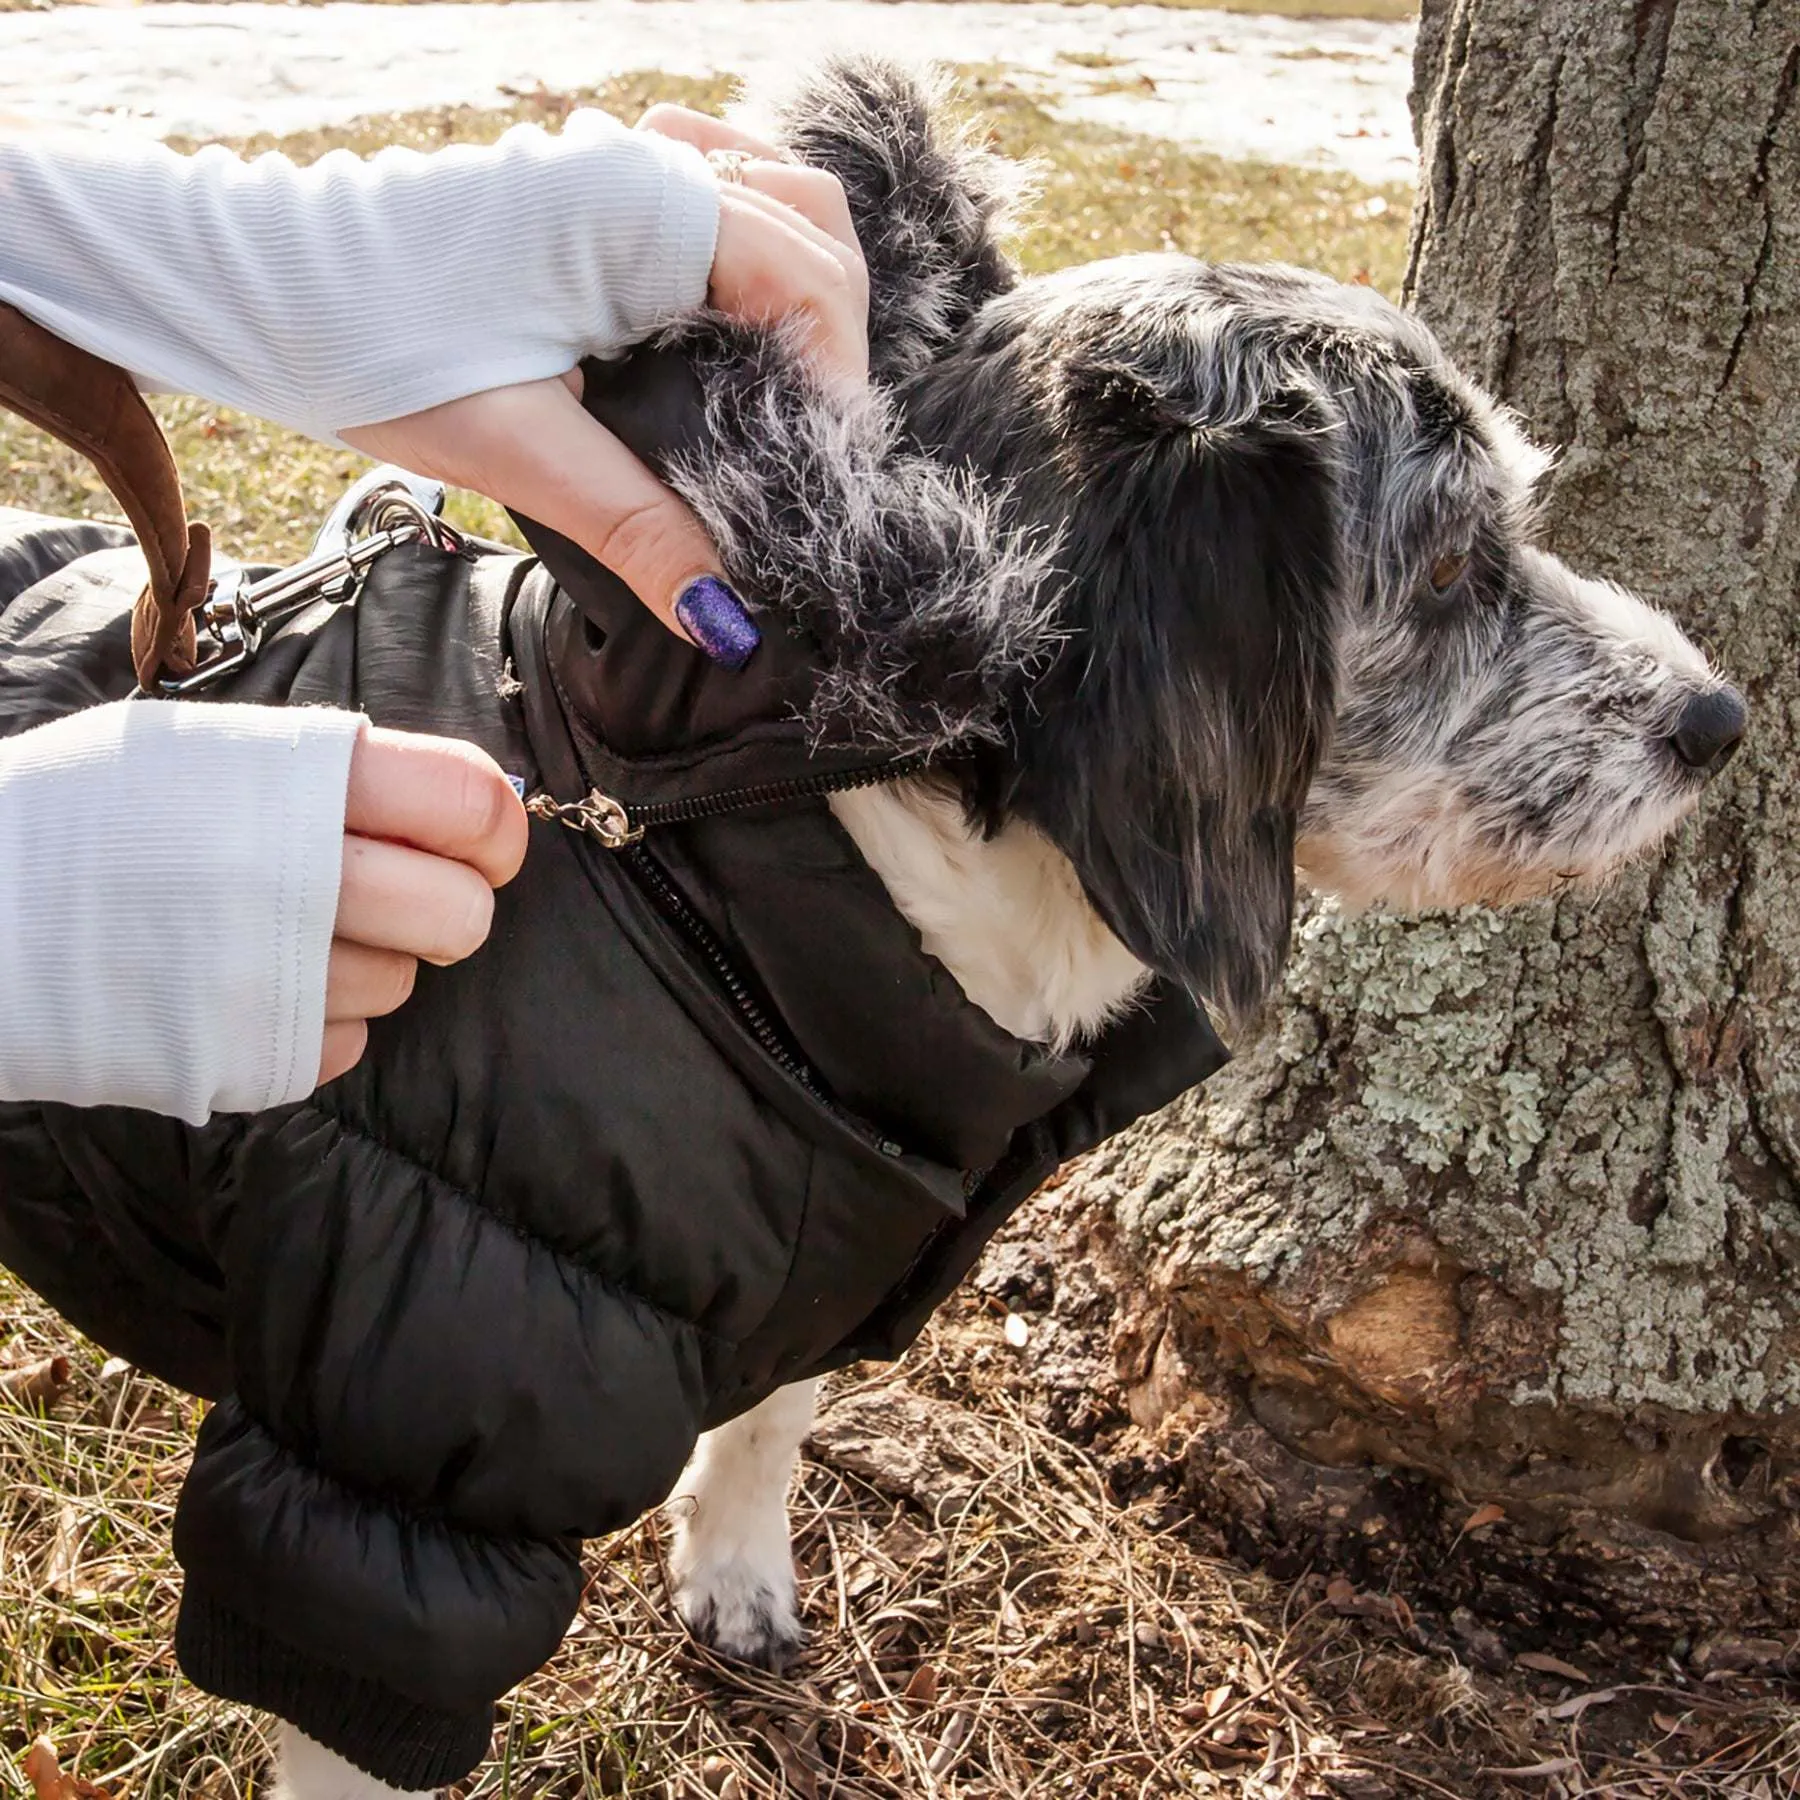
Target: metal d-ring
point(386, 509)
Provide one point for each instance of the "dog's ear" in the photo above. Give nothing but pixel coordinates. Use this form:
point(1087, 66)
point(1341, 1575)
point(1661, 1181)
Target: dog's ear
point(927, 200)
point(1172, 745)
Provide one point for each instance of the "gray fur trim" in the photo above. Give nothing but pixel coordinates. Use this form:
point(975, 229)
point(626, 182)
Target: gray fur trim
point(929, 202)
point(932, 615)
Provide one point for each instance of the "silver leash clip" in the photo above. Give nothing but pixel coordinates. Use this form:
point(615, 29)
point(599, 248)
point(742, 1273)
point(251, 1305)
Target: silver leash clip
point(388, 507)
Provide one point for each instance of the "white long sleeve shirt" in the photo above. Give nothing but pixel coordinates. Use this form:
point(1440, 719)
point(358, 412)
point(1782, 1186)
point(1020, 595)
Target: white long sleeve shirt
point(168, 885)
point(355, 290)
point(344, 294)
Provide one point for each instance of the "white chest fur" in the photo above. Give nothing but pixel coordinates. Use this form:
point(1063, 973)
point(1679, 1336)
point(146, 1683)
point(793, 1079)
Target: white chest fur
point(1005, 915)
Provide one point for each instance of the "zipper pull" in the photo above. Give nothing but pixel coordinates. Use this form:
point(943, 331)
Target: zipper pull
point(601, 816)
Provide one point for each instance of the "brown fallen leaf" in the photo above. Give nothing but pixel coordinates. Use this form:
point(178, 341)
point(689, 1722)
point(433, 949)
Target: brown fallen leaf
point(1483, 1516)
point(1574, 1707)
point(1229, 1752)
point(1549, 1665)
point(796, 1769)
point(1731, 1650)
point(1388, 1609)
point(64, 1558)
point(40, 1383)
point(44, 1772)
point(950, 1746)
point(922, 1689)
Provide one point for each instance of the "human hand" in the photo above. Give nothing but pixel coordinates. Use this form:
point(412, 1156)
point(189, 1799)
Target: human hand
point(431, 828)
point(786, 249)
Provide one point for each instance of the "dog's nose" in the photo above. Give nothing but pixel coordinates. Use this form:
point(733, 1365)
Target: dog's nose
point(1710, 728)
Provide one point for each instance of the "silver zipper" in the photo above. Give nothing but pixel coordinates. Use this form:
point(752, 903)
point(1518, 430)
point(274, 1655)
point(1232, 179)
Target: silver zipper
point(599, 815)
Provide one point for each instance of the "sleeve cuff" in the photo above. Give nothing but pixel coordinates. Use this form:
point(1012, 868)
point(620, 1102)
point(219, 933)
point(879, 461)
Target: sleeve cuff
point(666, 274)
point(168, 891)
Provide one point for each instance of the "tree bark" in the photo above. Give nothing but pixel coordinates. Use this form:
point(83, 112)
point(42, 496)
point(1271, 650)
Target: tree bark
point(1507, 1207)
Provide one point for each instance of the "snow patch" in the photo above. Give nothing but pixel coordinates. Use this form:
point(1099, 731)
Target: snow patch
point(1330, 93)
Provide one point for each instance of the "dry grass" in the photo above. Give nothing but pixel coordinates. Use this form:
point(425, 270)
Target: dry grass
point(1024, 1606)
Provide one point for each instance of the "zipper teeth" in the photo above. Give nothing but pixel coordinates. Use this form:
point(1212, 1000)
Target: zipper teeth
point(675, 904)
point(677, 812)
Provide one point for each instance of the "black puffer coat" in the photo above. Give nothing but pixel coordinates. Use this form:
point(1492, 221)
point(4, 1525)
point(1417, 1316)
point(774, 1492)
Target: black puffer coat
point(701, 1119)
point(473, 1302)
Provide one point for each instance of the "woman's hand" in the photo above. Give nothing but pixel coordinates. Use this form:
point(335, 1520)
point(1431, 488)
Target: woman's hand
point(786, 250)
point(787, 246)
point(431, 828)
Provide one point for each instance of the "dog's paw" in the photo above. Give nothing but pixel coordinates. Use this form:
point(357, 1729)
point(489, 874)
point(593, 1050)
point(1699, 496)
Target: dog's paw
point(745, 1613)
point(731, 1565)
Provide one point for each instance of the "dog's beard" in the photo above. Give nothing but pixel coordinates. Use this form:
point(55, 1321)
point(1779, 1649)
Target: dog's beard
point(1417, 839)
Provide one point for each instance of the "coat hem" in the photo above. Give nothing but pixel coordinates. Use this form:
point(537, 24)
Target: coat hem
point(385, 1734)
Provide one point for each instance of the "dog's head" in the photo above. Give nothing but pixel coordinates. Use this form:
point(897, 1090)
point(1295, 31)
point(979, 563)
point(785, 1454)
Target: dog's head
point(1297, 615)
point(1504, 725)
point(1305, 619)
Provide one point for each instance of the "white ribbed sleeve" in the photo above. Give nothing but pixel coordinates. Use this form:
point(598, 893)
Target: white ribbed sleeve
point(168, 888)
point(355, 290)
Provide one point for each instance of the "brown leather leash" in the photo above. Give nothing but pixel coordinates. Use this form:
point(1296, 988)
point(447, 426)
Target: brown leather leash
point(94, 407)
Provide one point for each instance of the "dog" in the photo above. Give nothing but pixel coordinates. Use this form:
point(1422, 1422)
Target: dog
point(1306, 629)
point(1300, 630)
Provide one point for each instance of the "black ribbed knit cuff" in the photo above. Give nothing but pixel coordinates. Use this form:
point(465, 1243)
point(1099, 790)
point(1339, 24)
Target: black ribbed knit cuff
point(383, 1733)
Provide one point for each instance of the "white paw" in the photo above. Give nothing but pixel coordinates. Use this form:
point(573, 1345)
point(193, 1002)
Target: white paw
point(739, 1600)
point(730, 1564)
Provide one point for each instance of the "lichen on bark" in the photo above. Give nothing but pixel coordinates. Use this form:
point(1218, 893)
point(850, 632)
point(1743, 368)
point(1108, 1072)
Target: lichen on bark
point(1576, 1123)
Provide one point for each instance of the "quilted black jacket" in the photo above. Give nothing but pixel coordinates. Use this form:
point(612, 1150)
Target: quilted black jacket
point(701, 1119)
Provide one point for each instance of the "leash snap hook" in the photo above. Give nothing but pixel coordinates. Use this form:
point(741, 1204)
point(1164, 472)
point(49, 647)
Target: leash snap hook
point(386, 509)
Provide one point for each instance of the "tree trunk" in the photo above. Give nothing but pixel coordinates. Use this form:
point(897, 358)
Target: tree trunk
point(1506, 1207)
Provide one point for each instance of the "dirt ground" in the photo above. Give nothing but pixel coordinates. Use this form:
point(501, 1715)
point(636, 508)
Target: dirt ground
point(1008, 1592)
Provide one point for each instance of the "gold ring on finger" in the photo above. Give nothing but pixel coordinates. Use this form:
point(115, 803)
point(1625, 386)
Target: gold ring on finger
point(729, 165)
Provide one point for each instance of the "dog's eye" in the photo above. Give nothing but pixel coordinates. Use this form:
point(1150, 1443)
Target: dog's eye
point(1447, 571)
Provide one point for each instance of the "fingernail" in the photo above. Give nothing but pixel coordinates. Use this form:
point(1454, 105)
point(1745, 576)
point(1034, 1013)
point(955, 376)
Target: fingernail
point(714, 617)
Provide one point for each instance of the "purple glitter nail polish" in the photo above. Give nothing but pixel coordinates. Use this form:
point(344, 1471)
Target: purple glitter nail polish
point(714, 617)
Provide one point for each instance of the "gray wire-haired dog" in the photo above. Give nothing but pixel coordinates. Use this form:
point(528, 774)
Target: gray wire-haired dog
point(1273, 603)
point(1204, 573)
